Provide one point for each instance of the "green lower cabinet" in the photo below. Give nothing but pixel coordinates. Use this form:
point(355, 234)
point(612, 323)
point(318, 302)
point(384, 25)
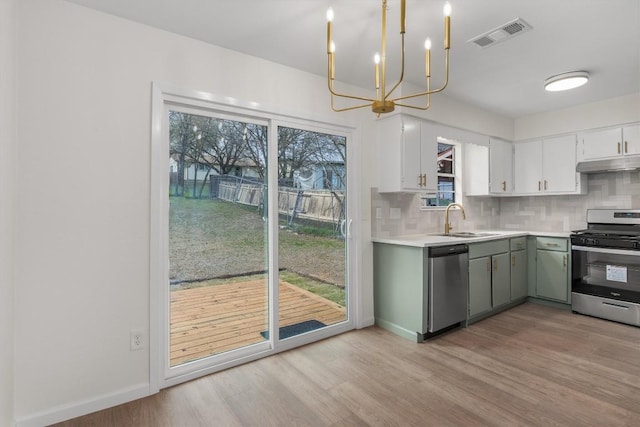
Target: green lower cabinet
point(400, 277)
point(519, 285)
point(552, 273)
point(500, 280)
point(552, 269)
point(489, 276)
point(479, 285)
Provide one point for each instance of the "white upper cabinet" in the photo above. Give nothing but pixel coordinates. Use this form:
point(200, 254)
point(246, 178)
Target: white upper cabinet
point(409, 150)
point(527, 161)
point(488, 170)
point(610, 143)
point(500, 166)
point(546, 166)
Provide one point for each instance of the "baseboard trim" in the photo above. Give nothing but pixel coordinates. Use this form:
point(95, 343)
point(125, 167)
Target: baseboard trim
point(399, 330)
point(83, 407)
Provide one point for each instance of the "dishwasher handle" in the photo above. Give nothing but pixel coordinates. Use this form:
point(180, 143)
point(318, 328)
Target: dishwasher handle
point(440, 251)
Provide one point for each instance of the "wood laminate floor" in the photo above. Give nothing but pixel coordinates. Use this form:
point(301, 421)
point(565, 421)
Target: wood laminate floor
point(531, 365)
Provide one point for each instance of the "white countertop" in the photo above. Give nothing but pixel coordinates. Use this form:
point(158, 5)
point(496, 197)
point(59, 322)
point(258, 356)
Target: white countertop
point(428, 239)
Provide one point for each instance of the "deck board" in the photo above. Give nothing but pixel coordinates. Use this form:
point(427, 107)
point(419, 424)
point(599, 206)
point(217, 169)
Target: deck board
point(213, 319)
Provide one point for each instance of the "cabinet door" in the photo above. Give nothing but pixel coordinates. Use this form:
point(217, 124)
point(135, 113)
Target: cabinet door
point(600, 144)
point(479, 285)
point(429, 156)
point(559, 164)
point(411, 167)
point(527, 165)
point(476, 170)
point(631, 139)
point(518, 275)
point(552, 278)
point(500, 166)
point(500, 280)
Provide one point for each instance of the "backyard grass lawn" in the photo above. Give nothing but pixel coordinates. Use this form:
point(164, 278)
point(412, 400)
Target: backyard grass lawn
point(211, 239)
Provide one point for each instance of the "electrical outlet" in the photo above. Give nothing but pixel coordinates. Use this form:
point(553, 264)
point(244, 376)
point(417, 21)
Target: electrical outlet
point(136, 339)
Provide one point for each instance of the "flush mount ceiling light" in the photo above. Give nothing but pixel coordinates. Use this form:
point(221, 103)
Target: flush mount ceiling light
point(383, 102)
point(566, 81)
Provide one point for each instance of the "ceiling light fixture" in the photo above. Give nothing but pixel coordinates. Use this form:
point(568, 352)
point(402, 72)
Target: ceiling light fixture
point(383, 102)
point(566, 81)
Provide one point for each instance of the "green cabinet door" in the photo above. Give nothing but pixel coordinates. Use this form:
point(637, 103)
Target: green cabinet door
point(552, 275)
point(519, 287)
point(479, 285)
point(501, 279)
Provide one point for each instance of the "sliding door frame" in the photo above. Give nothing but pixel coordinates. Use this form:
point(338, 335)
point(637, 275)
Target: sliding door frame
point(163, 95)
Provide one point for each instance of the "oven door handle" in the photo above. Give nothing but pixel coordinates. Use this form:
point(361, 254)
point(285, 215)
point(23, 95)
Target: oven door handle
point(605, 250)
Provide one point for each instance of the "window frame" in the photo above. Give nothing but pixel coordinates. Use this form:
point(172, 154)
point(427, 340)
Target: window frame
point(456, 175)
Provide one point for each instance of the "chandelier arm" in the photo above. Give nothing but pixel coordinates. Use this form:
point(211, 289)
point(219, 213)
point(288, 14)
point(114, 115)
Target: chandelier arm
point(339, 110)
point(401, 73)
point(429, 92)
point(415, 107)
point(341, 95)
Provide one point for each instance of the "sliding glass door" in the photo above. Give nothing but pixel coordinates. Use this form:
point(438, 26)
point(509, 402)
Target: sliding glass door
point(218, 239)
point(251, 241)
point(312, 247)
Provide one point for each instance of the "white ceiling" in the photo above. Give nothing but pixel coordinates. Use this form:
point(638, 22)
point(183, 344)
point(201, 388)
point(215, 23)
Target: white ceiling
point(599, 36)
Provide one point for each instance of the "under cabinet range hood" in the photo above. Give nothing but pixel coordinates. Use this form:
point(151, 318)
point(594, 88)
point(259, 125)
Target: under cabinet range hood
point(627, 163)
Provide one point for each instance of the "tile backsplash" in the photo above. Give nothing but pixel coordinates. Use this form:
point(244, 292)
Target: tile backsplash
point(536, 213)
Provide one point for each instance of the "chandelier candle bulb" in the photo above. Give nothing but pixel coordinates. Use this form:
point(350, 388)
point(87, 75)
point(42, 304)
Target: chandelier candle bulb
point(427, 57)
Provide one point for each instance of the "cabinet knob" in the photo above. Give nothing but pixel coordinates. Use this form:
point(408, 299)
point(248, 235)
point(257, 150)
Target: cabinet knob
point(495, 264)
point(539, 186)
point(489, 266)
point(420, 181)
point(626, 147)
point(545, 184)
point(564, 261)
point(504, 185)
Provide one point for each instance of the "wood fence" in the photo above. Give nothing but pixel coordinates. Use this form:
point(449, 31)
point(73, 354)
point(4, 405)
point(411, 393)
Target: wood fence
point(316, 205)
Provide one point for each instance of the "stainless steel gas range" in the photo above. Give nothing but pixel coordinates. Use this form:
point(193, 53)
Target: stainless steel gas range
point(606, 266)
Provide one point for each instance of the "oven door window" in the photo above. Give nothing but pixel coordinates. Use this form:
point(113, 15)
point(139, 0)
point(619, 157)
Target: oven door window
point(603, 272)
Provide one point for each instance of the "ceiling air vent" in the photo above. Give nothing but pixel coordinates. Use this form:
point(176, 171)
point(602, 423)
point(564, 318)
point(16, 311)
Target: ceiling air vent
point(501, 33)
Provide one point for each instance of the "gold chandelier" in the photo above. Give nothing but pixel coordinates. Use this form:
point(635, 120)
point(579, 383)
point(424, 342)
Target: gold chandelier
point(383, 102)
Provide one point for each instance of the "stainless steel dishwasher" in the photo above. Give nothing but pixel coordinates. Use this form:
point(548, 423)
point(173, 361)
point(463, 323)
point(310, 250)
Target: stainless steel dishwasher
point(448, 286)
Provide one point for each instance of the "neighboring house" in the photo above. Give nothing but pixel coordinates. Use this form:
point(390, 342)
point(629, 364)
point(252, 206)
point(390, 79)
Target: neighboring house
point(201, 171)
point(320, 177)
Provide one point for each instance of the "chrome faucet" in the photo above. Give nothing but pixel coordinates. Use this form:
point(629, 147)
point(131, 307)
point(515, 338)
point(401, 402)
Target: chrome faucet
point(447, 224)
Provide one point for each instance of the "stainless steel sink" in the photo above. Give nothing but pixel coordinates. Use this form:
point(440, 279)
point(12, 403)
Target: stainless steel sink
point(466, 234)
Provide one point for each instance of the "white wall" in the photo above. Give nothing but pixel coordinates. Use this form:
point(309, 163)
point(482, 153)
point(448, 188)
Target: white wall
point(82, 223)
point(610, 112)
point(7, 137)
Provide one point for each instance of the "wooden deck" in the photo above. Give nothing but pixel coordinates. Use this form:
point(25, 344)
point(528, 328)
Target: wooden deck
point(214, 319)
